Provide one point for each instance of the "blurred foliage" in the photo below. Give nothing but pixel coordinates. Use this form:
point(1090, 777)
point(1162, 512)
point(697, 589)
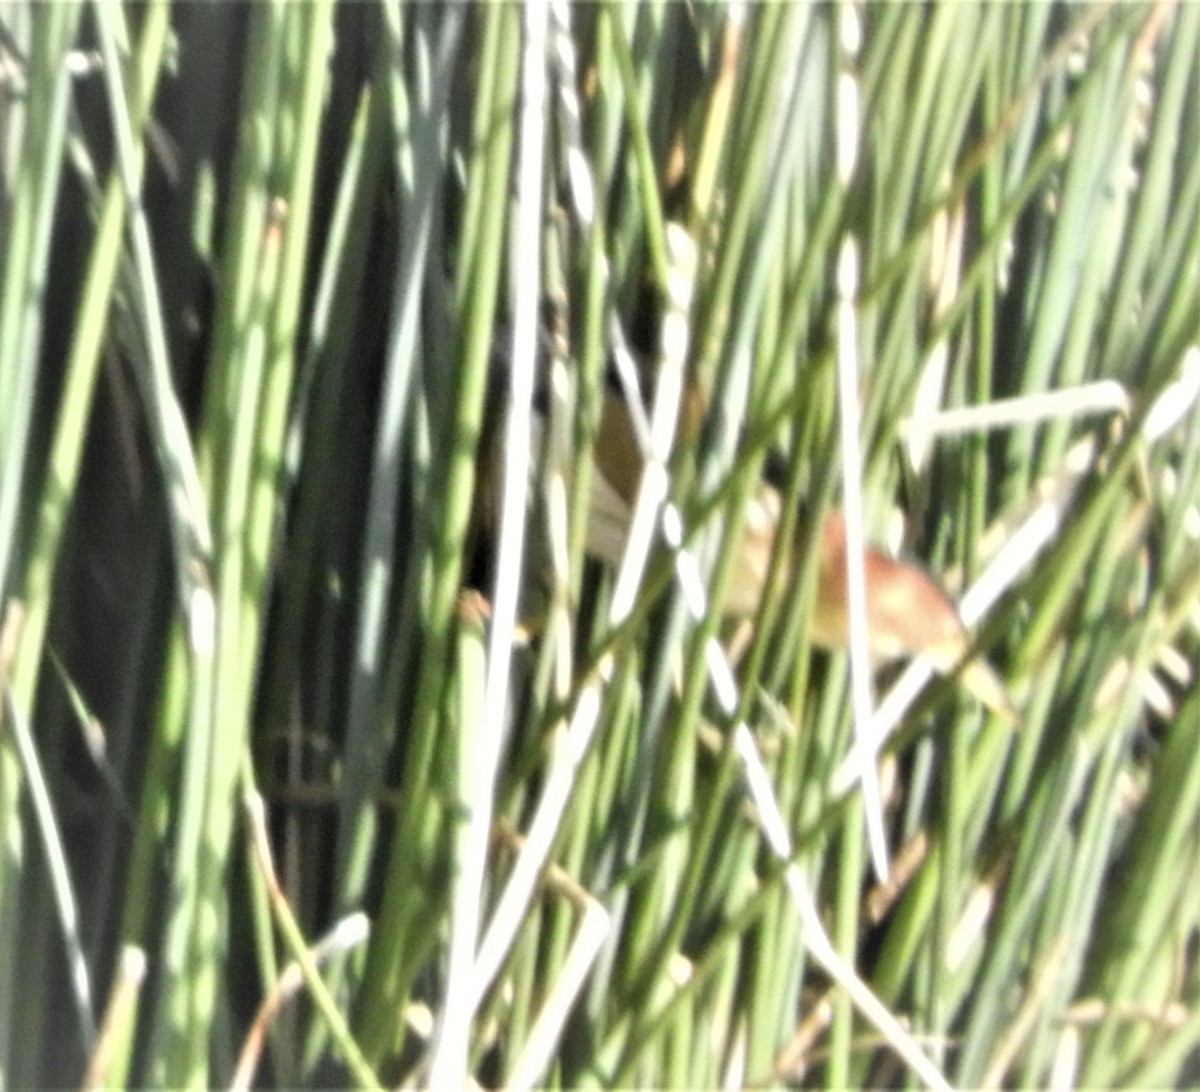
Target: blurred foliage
point(261, 271)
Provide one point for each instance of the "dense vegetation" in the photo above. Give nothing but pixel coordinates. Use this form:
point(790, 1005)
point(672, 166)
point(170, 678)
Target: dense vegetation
point(279, 802)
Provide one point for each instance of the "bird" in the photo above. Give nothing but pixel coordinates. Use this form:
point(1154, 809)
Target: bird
point(908, 611)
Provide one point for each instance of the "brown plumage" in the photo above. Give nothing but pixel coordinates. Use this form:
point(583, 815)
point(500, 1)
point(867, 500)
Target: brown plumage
point(907, 612)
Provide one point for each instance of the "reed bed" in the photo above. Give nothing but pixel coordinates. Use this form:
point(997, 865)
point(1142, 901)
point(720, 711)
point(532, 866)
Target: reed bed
point(311, 775)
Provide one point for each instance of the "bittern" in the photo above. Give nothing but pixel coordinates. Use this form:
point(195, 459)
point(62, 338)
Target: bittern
point(908, 613)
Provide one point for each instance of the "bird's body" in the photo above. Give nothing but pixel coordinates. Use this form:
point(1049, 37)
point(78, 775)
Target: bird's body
point(906, 609)
point(908, 613)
